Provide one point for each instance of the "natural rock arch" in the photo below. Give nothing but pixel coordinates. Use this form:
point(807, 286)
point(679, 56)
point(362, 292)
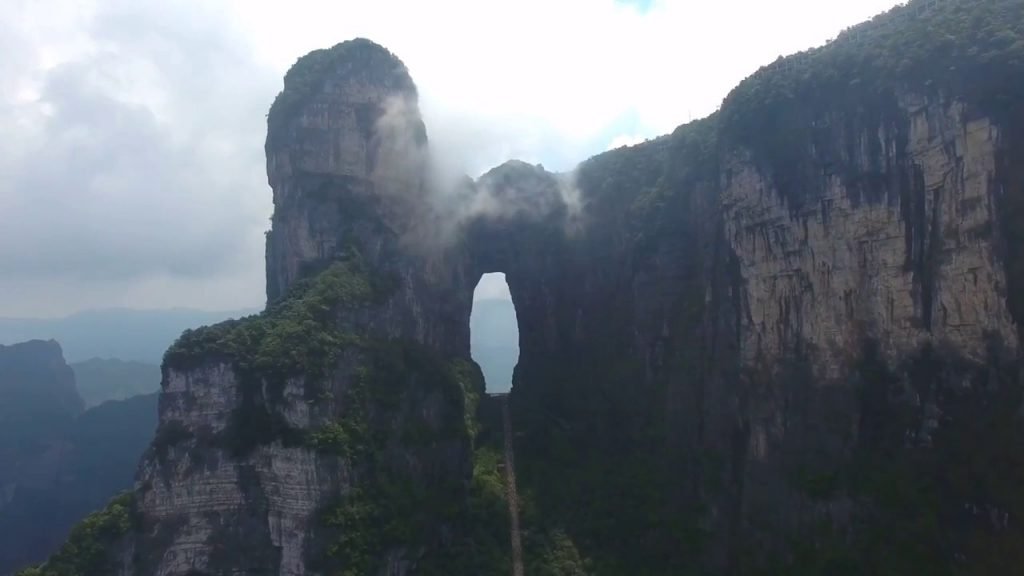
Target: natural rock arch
point(734, 337)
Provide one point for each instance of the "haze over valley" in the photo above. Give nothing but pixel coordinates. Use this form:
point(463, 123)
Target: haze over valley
point(594, 288)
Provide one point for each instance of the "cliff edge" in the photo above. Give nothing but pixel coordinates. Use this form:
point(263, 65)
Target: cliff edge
point(782, 339)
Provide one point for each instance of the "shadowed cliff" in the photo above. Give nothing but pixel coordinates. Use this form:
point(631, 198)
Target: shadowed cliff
point(780, 340)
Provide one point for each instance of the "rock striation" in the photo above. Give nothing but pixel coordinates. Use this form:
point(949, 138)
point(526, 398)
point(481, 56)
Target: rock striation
point(303, 439)
point(785, 337)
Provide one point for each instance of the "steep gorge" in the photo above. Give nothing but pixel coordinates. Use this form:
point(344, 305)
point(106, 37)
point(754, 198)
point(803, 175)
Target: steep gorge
point(784, 339)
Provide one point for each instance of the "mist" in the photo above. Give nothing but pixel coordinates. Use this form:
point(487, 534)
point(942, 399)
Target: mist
point(132, 171)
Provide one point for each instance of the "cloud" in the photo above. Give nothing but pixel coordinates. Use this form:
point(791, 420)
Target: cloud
point(543, 81)
point(138, 160)
point(492, 286)
point(625, 140)
point(132, 170)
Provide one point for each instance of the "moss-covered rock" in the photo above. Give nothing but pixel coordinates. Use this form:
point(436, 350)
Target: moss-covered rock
point(480, 543)
point(406, 399)
point(297, 336)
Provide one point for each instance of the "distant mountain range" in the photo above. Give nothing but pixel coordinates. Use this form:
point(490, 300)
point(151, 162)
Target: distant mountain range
point(103, 379)
point(116, 352)
point(58, 462)
point(494, 335)
point(131, 335)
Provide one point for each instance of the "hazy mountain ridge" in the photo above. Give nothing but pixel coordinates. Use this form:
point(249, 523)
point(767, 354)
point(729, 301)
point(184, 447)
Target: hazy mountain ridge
point(785, 339)
point(57, 462)
point(126, 334)
point(103, 379)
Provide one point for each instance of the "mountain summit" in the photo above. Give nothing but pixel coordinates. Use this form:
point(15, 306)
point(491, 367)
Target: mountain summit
point(784, 339)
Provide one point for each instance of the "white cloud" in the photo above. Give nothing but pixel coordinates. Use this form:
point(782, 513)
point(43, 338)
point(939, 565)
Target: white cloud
point(542, 81)
point(534, 72)
point(625, 140)
point(492, 286)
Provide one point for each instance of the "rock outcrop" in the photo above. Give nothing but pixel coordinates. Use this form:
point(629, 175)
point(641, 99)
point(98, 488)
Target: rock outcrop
point(35, 379)
point(785, 337)
point(332, 431)
point(38, 401)
point(915, 264)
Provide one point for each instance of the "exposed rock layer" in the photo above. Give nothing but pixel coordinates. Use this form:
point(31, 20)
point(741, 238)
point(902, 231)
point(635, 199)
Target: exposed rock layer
point(777, 338)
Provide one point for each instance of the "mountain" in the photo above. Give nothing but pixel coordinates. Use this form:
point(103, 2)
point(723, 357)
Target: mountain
point(58, 463)
point(101, 452)
point(102, 379)
point(38, 404)
point(495, 341)
point(35, 381)
point(784, 339)
point(135, 335)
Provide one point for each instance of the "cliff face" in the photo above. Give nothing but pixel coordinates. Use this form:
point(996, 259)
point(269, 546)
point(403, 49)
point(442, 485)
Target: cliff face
point(38, 402)
point(787, 335)
point(304, 440)
point(913, 264)
point(34, 378)
point(58, 463)
point(345, 158)
point(782, 338)
point(79, 468)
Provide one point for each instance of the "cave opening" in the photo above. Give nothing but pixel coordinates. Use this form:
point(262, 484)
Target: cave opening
point(494, 332)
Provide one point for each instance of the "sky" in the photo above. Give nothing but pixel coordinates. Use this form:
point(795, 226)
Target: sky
point(132, 170)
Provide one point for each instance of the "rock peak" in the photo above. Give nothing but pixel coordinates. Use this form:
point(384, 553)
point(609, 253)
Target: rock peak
point(360, 65)
point(345, 131)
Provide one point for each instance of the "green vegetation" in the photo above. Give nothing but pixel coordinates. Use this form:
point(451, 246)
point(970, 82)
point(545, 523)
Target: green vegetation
point(467, 375)
point(296, 337)
point(482, 544)
point(349, 436)
point(786, 113)
point(393, 506)
point(333, 438)
point(609, 514)
point(559, 557)
point(402, 402)
point(88, 549)
point(358, 520)
point(938, 502)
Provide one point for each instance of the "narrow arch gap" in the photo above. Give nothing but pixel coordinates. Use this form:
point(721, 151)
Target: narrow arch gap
point(494, 332)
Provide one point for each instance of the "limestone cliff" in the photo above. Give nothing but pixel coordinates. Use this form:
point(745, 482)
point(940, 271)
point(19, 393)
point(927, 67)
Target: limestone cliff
point(787, 337)
point(333, 430)
point(345, 157)
point(783, 339)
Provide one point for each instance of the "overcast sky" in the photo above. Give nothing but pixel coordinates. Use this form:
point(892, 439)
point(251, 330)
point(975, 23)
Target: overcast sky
point(131, 162)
